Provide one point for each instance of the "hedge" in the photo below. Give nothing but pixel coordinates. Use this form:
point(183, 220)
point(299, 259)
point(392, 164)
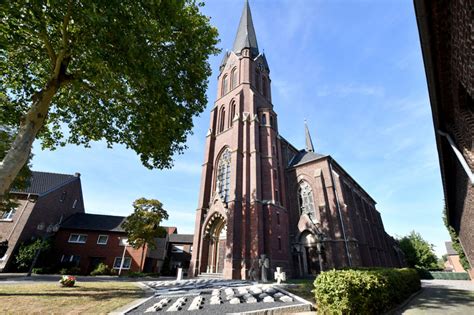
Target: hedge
point(443, 275)
point(364, 291)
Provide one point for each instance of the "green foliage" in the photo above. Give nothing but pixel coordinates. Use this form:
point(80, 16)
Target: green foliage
point(102, 269)
point(456, 243)
point(418, 252)
point(127, 72)
point(27, 252)
point(142, 226)
point(364, 291)
point(70, 271)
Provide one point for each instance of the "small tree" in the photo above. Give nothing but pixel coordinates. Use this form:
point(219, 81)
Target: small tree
point(418, 252)
point(142, 226)
point(27, 252)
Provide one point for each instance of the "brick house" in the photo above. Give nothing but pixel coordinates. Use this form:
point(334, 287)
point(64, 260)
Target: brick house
point(84, 240)
point(446, 31)
point(49, 199)
point(452, 263)
point(262, 199)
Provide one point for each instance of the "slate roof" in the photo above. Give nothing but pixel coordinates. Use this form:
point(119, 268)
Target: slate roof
point(246, 37)
point(304, 156)
point(449, 249)
point(181, 238)
point(42, 183)
point(94, 222)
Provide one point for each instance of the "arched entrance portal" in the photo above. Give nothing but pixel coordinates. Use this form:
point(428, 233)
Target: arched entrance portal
point(310, 254)
point(216, 236)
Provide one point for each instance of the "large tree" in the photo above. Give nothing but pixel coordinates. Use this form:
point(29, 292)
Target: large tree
point(418, 252)
point(143, 225)
point(123, 71)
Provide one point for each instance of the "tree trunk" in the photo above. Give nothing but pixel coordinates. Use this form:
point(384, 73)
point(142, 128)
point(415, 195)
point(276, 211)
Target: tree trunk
point(31, 123)
point(143, 254)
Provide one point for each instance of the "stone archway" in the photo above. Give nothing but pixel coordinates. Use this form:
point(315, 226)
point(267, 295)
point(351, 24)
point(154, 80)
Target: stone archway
point(216, 237)
point(310, 252)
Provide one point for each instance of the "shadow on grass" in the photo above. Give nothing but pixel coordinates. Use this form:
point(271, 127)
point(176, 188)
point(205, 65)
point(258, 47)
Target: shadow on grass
point(78, 291)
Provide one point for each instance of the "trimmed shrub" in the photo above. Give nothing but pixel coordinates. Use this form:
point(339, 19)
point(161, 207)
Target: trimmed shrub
point(101, 269)
point(364, 291)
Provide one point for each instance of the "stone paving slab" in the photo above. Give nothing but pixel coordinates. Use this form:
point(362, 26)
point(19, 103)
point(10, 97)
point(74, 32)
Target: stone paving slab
point(216, 296)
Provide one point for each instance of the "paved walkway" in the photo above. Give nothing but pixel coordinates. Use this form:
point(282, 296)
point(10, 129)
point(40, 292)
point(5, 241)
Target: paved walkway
point(442, 297)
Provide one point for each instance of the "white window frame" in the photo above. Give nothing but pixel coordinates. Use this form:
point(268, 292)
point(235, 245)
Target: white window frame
point(106, 239)
point(78, 241)
point(8, 216)
point(117, 262)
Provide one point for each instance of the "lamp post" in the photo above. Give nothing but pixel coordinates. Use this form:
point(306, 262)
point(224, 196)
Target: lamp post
point(50, 230)
point(125, 244)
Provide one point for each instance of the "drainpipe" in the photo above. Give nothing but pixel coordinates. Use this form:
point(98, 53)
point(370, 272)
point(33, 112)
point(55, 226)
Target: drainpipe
point(340, 214)
point(459, 155)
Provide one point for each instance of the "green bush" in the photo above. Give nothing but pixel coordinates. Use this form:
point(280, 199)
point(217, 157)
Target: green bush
point(70, 271)
point(364, 291)
point(101, 269)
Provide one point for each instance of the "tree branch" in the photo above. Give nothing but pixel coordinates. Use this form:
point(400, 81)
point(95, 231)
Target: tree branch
point(49, 47)
point(66, 20)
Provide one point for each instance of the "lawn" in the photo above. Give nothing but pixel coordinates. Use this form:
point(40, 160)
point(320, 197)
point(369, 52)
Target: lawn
point(84, 297)
point(303, 288)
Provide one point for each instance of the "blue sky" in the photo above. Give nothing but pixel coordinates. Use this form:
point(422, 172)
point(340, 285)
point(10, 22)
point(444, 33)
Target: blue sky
point(353, 69)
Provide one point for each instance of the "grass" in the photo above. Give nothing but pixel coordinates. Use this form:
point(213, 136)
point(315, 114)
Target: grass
point(51, 298)
point(302, 288)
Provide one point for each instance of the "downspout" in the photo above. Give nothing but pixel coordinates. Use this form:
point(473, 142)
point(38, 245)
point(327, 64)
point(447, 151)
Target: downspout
point(18, 220)
point(340, 214)
point(459, 155)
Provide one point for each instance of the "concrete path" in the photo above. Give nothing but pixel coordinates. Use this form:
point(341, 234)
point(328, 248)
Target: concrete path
point(442, 297)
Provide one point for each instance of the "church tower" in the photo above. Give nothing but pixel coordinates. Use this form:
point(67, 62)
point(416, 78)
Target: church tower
point(241, 213)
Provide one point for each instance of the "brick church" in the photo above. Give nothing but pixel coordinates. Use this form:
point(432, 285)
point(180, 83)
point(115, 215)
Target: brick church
point(262, 198)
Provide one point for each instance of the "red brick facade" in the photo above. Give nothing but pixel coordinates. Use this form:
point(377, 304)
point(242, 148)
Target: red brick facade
point(250, 201)
point(91, 253)
point(447, 33)
point(39, 209)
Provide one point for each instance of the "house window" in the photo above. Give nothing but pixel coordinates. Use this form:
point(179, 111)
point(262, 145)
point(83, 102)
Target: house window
point(279, 243)
point(278, 218)
point(8, 215)
point(232, 114)
point(233, 78)
point(71, 259)
point(102, 239)
point(127, 262)
point(177, 249)
point(271, 120)
point(78, 238)
point(223, 175)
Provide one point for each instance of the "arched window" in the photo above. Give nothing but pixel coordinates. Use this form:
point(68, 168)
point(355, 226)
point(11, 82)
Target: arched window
point(257, 80)
point(305, 195)
point(264, 119)
point(232, 114)
point(233, 78)
point(222, 122)
point(223, 175)
point(264, 87)
point(271, 121)
point(225, 84)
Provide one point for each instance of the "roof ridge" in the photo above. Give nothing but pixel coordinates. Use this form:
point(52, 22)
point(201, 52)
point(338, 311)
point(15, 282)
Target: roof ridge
point(53, 173)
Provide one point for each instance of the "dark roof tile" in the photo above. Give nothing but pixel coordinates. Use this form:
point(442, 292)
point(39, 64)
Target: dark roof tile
point(42, 183)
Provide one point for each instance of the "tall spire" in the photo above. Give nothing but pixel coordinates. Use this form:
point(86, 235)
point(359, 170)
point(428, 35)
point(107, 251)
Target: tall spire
point(246, 37)
point(309, 142)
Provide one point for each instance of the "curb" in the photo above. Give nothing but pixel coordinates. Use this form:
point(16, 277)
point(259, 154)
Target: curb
point(149, 293)
point(398, 308)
